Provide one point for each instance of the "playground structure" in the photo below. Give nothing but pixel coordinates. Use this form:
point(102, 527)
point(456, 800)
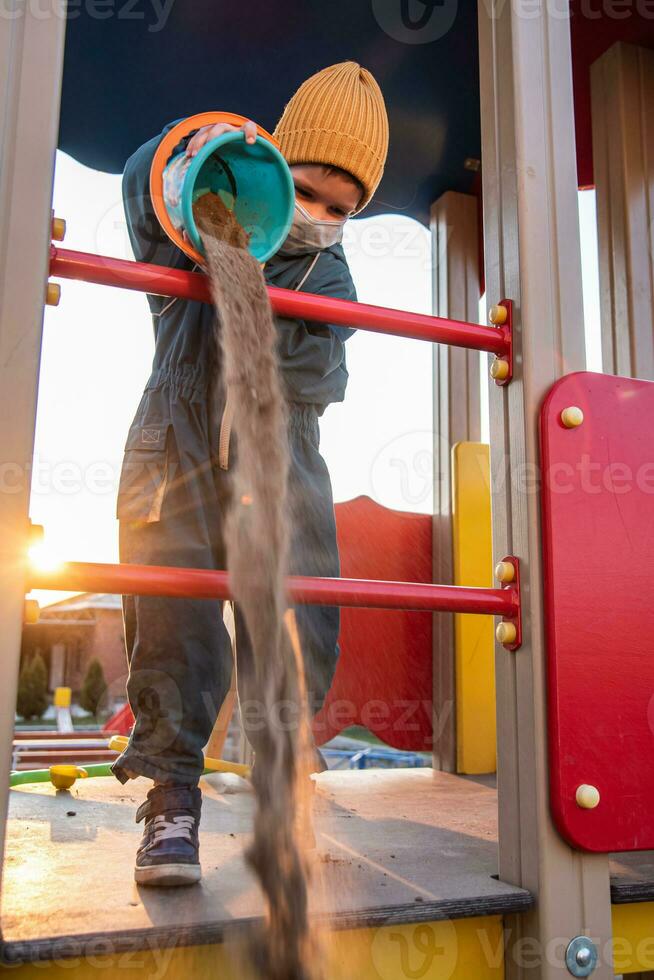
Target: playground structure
point(573, 666)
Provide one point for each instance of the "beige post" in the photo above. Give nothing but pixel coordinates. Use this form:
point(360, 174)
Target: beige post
point(533, 257)
point(457, 418)
point(31, 56)
point(623, 153)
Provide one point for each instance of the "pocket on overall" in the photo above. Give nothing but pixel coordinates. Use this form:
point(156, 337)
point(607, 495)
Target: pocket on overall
point(146, 473)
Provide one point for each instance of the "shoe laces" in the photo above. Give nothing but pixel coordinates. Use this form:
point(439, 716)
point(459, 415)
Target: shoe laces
point(180, 826)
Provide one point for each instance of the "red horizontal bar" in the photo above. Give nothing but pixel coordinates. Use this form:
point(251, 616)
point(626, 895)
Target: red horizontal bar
point(160, 280)
point(204, 584)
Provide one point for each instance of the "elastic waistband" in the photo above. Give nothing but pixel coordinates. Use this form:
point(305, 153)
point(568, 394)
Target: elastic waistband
point(302, 417)
point(188, 382)
point(186, 379)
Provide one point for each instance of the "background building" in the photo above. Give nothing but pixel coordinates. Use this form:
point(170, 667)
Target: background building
point(71, 633)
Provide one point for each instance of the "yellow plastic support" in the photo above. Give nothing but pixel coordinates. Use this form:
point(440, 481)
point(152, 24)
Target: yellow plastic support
point(498, 315)
point(458, 949)
point(58, 229)
point(505, 572)
point(474, 636)
point(499, 369)
point(506, 633)
point(52, 294)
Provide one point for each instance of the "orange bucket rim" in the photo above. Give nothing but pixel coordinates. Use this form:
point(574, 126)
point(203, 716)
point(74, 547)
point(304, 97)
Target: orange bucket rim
point(162, 156)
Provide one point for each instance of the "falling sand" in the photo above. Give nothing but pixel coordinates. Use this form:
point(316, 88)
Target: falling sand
point(257, 543)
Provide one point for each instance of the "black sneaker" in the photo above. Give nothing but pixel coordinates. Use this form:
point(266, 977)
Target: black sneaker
point(169, 850)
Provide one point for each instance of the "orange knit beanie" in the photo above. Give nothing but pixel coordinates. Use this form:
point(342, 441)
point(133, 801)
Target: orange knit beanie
point(338, 118)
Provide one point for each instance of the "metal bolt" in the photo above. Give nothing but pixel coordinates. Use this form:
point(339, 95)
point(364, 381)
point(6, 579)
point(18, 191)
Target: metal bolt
point(587, 796)
point(581, 956)
point(505, 572)
point(506, 634)
point(584, 956)
point(498, 315)
point(52, 294)
point(572, 417)
point(499, 369)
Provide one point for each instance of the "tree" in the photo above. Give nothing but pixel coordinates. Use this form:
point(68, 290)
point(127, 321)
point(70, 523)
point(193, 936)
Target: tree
point(94, 687)
point(32, 688)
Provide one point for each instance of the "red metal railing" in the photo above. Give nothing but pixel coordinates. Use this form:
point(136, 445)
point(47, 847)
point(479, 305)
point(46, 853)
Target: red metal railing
point(163, 281)
point(207, 584)
point(197, 583)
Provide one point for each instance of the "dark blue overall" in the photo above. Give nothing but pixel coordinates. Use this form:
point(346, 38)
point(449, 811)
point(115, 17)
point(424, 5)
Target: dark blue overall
point(174, 491)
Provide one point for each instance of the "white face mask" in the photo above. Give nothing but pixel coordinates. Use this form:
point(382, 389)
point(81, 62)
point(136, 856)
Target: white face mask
point(308, 234)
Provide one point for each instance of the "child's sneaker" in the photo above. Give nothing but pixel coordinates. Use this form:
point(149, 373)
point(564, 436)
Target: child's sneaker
point(169, 850)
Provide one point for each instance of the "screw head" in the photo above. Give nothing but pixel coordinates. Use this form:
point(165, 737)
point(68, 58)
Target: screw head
point(587, 796)
point(498, 315)
point(506, 634)
point(499, 369)
point(504, 572)
point(584, 956)
point(572, 417)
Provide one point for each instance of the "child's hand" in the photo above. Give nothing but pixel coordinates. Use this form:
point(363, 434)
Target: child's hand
point(212, 132)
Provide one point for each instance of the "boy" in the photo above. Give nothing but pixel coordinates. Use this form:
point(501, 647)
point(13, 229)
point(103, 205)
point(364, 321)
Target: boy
point(174, 487)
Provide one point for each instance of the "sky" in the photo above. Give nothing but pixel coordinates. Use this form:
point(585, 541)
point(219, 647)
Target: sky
point(98, 346)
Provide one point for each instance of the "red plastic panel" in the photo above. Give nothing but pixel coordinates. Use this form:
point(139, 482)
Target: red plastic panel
point(384, 674)
point(121, 722)
point(598, 536)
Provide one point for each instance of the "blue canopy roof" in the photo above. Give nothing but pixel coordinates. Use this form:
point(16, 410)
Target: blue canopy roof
point(133, 65)
point(127, 74)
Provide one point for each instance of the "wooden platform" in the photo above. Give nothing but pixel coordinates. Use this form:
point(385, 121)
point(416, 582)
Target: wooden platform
point(400, 846)
point(632, 877)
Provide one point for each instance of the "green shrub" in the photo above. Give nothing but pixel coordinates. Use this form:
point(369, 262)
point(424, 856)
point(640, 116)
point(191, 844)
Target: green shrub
point(94, 687)
point(32, 697)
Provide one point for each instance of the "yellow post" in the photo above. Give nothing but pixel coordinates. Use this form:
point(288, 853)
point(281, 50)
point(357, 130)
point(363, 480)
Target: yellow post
point(62, 697)
point(473, 635)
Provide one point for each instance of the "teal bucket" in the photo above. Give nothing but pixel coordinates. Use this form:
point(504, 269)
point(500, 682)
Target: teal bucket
point(253, 180)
